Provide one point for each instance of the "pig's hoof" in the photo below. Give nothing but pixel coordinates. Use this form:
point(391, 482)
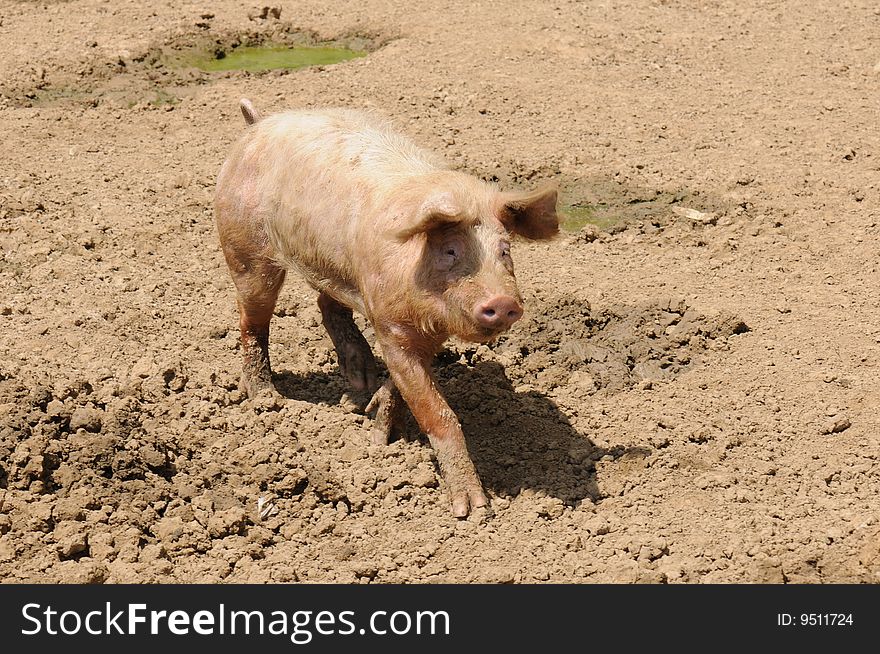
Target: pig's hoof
point(464, 501)
point(379, 436)
point(385, 428)
point(386, 403)
point(357, 363)
point(252, 386)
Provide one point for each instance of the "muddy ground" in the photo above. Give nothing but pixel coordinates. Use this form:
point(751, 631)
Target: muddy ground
point(691, 398)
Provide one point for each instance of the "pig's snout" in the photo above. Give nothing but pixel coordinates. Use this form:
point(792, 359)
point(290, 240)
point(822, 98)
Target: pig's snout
point(499, 312)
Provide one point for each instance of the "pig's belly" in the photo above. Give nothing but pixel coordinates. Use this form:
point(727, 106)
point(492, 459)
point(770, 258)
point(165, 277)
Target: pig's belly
point(316, 250)
point(336, 286)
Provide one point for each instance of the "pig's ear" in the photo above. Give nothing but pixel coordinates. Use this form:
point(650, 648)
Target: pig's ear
point(532, 215)
point(436, 210)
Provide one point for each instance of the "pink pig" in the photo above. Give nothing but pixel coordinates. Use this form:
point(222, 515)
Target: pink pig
point(376, 225)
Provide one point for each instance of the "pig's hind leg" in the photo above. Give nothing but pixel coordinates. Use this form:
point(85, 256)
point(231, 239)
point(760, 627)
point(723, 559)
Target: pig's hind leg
point(356, 360)
point(258, 281)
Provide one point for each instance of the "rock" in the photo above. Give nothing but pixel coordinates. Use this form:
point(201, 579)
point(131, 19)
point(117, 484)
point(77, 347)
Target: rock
point(587, 234)
point(86, 417)
point(699, 217)
point(835, 425)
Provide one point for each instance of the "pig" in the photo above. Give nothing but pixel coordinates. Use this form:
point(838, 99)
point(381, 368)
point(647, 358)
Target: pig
point(376, 225)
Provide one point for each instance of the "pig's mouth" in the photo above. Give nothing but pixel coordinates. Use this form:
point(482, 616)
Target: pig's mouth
point(487, 334)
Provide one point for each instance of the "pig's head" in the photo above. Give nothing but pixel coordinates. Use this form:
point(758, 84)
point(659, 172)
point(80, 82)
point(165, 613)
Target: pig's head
point(460, 233)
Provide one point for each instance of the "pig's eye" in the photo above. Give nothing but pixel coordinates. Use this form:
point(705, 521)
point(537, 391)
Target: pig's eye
point(505, 250)
point(448, 255)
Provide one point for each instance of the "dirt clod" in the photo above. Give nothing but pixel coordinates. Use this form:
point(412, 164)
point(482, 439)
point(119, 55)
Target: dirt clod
point(86, 417)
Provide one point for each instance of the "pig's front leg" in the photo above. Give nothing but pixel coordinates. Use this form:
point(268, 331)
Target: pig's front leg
point(356, 360)
point(410, 370)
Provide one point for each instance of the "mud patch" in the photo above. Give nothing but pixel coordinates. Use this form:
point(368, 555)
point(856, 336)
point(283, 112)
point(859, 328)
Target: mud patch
point(577, 217)
point(170, 71)
point(270, 57)
point(612, 205)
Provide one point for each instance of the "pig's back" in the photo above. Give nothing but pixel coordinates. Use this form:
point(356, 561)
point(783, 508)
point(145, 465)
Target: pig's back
point(344, 143)
point(321, 178)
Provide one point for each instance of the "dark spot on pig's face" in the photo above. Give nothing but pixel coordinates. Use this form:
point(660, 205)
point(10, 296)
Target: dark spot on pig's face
point(448, 252)
point(453, 254)
point(464, 267)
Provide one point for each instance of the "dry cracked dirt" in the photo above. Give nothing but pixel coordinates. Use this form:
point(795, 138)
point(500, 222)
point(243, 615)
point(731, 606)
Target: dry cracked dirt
point(691, 398)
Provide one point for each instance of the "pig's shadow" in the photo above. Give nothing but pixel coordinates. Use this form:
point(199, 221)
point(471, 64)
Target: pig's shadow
point(518, 441)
